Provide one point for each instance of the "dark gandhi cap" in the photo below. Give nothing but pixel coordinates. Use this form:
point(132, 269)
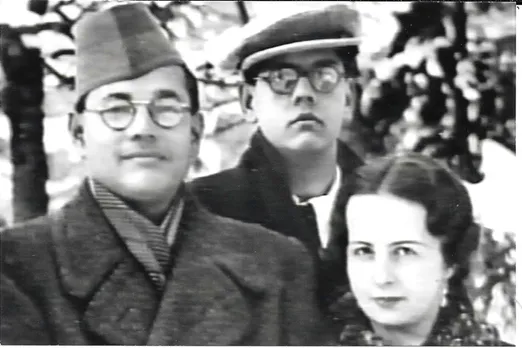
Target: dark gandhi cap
point(120, 43)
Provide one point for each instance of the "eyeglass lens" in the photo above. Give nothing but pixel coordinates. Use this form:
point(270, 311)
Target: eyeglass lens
point(322, 79)
point(165, 112)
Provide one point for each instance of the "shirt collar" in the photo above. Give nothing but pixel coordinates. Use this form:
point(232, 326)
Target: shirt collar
point(328, 196)
point(323, 207)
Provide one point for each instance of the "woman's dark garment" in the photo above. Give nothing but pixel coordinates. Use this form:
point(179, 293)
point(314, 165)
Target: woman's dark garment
point(456, 325)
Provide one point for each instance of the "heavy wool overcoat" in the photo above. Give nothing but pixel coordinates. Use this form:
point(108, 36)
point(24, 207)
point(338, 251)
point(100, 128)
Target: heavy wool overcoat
point(71, 280)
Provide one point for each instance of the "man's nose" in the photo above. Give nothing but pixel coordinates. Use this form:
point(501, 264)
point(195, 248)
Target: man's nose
point(142, 126)
point(383, 271)
point(304, 92)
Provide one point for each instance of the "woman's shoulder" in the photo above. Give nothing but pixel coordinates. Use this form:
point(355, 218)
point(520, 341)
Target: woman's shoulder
point(354, 326)
point(463, 328)
point(455, 326)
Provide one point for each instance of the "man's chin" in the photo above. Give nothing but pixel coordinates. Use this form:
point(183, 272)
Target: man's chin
point(308, 142)
point(148, 188)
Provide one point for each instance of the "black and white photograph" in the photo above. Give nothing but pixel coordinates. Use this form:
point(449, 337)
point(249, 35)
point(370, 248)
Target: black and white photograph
point(258, 173)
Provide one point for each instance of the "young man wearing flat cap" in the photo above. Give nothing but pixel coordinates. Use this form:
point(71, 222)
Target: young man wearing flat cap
point(297, 76)
point(134, 259)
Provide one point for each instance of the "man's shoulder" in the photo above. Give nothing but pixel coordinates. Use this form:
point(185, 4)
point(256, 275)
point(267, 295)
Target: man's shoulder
point(231, 193)
point(25, 243)
point(228, 179)
point(245, 235)
point(31, 231)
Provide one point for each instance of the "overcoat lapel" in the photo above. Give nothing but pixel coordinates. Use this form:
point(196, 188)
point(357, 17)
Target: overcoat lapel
point(271, 178)
point(204, 304)
point(201, 304)
point(95, 267)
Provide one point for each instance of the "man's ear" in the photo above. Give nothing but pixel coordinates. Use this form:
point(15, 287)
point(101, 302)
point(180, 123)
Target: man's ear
point(246, 98)
point(77, 133)
point(76, 128)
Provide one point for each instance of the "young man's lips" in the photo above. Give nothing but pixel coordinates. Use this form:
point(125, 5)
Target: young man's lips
point(143, 155)
point(306, 117)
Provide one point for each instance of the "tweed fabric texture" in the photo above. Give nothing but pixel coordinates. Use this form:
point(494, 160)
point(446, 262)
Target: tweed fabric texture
point(69, 279)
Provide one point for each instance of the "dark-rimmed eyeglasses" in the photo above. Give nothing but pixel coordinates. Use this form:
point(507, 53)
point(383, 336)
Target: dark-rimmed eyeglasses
point(165, 112)
point(323, 79)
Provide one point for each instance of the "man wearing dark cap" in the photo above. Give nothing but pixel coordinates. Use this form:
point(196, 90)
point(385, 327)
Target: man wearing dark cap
point(297, 73)
point(133, 259)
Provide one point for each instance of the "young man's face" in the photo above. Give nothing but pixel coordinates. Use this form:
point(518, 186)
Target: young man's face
point(304, 118)
point(143, 162)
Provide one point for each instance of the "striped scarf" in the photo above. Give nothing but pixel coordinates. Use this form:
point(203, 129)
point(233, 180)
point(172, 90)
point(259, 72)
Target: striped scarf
point(150, 244)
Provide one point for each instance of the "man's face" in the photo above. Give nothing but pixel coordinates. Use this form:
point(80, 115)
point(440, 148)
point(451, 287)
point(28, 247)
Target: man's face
point(304, 119)
point(143, 162)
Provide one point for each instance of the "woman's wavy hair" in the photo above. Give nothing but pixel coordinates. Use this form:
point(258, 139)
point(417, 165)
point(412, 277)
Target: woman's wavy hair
point(426, 181)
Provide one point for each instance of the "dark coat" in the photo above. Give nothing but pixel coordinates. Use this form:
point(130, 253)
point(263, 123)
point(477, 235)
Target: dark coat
point(70, 280)
point(257, 191)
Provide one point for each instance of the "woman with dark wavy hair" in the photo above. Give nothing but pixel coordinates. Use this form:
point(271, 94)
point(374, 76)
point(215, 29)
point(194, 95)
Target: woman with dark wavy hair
point(411, 235)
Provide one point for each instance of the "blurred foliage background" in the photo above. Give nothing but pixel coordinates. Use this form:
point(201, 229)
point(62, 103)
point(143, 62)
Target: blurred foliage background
point(437, 78)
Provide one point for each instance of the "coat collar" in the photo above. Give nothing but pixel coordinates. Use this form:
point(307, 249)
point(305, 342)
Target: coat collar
point(86, 245)
point(202, 302)
point(263, 159)
point(262, 154)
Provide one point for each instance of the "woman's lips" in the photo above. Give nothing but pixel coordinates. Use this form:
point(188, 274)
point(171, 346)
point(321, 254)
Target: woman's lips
point(388, 301)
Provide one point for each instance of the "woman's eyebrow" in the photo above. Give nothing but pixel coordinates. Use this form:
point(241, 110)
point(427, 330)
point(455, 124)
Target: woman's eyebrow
point(359, 242)
point(392, 244)
point(401, 242)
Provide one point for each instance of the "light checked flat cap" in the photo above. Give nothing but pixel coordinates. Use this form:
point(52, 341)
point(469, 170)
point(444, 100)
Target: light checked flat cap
point(333, 26)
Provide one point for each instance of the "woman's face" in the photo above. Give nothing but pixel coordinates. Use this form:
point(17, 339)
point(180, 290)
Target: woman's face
point(395, 266)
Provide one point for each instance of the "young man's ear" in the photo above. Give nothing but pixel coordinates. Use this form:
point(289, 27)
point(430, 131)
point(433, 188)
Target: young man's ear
point(197, 126)
point(352, 92)
point(352, 99)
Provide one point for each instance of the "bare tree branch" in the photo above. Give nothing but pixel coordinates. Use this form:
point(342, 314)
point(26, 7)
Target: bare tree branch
point(243, 13)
